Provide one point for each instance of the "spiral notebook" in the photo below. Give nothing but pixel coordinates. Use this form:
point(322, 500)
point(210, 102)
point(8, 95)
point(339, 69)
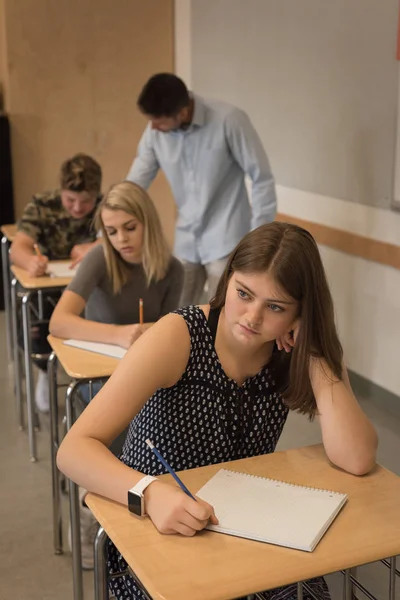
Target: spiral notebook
point(270, 511)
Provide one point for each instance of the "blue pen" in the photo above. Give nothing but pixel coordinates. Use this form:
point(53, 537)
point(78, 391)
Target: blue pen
point(169, 469)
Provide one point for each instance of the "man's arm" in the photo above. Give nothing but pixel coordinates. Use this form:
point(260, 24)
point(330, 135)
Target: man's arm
point(248, 151)
point(145, 166)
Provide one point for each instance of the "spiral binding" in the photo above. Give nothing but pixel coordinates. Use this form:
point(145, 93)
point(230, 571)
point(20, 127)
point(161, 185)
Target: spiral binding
point(286, 483)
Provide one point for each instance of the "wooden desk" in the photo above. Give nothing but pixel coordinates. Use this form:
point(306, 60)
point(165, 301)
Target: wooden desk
point(213, 566)
point(9, 231)
point(81, 364)
point(42, 283)
point(8, 234)
point(82, 367)
point(24, 286)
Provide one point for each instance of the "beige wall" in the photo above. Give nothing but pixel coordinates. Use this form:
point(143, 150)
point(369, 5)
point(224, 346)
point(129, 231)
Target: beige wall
point(3, 59)
point(75, 68)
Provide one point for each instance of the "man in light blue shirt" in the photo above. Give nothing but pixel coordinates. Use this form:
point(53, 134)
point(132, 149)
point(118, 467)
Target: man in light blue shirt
point(205, 148)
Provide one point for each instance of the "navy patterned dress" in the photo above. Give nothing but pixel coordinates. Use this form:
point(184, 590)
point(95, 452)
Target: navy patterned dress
point(205, 418)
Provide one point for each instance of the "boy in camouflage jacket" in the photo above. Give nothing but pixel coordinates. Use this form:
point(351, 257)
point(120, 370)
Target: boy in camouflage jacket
point(60, 224)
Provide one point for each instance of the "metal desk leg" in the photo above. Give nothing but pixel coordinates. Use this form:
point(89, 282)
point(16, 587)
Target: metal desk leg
point(100, 568)
point(347, 585)
point(392, 580)
point(17, 362)
point(40, 304)
point(6, 289)
point(300, 590)
point(54, 444)
point(26, 325)
point(74, 507)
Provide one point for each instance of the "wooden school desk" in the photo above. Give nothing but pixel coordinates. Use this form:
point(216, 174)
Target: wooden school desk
point(82, 367)
point(214, 566)
point(24, 286)
point(8, 234)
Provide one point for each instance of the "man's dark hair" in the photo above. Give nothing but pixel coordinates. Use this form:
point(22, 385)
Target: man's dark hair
point(164, 95)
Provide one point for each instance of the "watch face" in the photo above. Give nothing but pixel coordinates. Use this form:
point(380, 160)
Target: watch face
point(135, 503)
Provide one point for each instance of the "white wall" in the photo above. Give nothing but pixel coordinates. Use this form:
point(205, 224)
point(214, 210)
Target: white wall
point(366, 294)
point(319, 80)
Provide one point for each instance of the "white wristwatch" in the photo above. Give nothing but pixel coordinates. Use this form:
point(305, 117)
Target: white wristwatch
point(136, 496)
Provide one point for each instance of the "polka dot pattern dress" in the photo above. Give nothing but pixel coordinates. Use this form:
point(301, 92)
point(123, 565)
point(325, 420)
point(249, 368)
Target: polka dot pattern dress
point(205, 418)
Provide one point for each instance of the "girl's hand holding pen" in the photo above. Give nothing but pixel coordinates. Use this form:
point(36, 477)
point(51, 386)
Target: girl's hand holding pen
point(125, 335)
point(172, 511)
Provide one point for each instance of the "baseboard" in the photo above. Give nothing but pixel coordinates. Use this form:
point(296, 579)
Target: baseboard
point(365, 388)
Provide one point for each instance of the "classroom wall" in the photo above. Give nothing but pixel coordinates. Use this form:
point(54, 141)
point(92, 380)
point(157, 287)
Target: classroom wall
point(327, 76)
point(3, 60)
point(74, 70)
point(366, 294)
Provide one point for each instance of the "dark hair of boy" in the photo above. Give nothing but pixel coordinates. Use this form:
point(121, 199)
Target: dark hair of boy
point(81, 173)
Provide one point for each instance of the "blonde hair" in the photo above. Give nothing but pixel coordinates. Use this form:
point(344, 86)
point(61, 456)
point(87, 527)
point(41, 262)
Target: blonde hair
point(156, 256)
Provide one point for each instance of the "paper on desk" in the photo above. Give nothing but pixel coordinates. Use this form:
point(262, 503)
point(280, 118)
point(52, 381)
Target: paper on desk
point(61, 269)
point(99, 348)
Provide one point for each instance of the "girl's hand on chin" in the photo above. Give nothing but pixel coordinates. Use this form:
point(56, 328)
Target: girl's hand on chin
point(287, 341)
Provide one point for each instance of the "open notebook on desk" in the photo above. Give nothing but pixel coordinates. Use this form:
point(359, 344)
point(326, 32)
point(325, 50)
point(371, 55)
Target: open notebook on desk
point(61, 269)
point(99, 348)
point(270, 511)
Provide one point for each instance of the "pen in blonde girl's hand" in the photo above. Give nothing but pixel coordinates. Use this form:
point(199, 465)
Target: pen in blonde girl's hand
point(141, 311)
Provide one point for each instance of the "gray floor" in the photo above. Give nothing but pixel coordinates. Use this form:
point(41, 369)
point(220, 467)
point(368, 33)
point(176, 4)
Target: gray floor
point(28, 568)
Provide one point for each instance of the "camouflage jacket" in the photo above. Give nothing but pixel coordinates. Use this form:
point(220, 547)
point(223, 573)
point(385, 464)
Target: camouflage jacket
point(47, 222)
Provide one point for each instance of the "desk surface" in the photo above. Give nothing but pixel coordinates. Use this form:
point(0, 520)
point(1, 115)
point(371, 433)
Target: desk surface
point(214, 566)
point(81, 364)
point(9, 231)
point(40, 283)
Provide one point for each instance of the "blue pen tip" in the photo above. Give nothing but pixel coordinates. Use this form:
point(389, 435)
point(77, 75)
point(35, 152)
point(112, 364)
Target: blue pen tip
point(150, 444)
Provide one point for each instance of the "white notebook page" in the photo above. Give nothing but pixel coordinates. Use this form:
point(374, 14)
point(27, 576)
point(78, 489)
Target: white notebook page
point(99, 348)
point(270, 511)
point(60, 269)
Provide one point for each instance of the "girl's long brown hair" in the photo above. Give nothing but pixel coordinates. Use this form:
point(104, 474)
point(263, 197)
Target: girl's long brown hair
point(290, 254)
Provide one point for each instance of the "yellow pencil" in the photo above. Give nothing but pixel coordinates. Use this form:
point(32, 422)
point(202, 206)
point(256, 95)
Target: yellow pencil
point(141, 311)
point(37, 250)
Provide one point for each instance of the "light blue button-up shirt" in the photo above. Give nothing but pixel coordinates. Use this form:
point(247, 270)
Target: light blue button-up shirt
point(206, 166)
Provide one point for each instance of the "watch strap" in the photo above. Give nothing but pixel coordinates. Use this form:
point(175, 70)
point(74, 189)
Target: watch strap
point(143, 484)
